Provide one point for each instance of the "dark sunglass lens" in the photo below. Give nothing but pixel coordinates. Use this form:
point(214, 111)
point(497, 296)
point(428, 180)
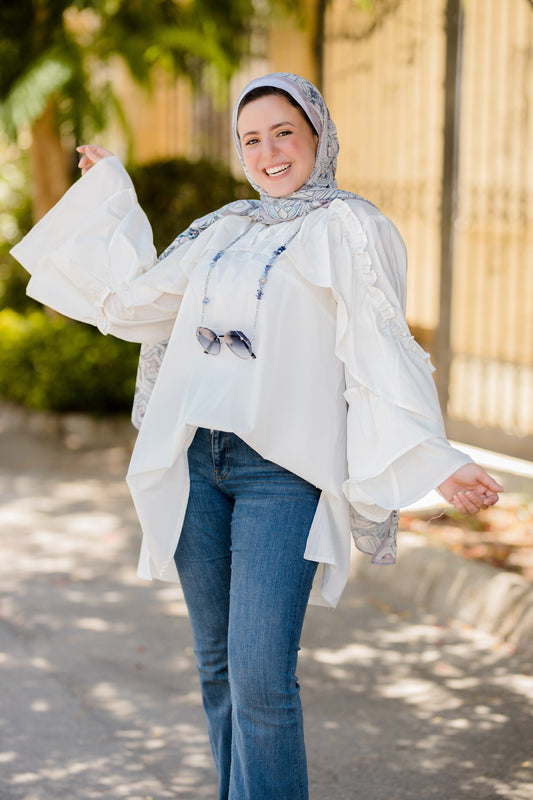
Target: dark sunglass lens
point(239, 343)
point(209, 341)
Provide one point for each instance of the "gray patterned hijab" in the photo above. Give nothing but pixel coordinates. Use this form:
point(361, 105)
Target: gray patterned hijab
point(318, 191)
point(321, 187)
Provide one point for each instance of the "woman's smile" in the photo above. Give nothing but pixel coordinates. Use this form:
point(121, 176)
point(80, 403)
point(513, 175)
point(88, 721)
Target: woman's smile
point(273, 171)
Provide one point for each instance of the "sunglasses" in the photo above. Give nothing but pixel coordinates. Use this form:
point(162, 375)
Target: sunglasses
point(237, 342)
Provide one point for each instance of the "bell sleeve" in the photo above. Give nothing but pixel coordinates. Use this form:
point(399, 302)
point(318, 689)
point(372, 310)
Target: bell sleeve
point(397, 449)
point(92, 258)
point(396, 445)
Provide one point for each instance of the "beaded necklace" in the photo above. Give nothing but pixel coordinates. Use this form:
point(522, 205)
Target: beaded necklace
point(262, 280)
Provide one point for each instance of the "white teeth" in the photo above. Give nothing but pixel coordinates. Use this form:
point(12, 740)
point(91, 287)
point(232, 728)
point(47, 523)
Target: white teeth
point(277, 170)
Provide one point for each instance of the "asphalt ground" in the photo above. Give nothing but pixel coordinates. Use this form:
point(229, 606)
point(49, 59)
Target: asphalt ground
point(99, 695)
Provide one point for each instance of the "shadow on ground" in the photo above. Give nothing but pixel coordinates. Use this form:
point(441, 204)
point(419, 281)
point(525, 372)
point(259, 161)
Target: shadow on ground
point(100, 697)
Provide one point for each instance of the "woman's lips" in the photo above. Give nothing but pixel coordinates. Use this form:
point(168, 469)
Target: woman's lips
point(273, 172)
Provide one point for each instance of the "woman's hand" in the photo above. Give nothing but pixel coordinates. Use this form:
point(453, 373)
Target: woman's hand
point(91, 154)
point(470, 489)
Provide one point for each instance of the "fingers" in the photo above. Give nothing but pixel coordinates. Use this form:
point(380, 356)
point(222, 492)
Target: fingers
point(470, 489)
point(491, 498)
point(91, 154)
point(467, 502)
point(487, 480)
point(94, 151)
point(493, 485)
point(85, 164)
point(472, 502)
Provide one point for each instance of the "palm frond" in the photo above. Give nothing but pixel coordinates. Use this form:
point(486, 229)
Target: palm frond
point(30, 93)
point(199, 44)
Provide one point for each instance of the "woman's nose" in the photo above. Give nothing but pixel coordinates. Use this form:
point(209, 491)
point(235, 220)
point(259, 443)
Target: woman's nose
point(269, 147)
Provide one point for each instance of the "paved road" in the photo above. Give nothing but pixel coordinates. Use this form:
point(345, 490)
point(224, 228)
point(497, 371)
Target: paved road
point(99, 697)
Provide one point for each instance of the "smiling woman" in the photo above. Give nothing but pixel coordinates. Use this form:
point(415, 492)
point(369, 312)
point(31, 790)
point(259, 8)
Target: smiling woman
point(249, 473)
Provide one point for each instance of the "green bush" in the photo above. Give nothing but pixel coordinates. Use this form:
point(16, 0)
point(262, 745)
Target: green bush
point(15, 220)
point(175, 192)
point(49, 362)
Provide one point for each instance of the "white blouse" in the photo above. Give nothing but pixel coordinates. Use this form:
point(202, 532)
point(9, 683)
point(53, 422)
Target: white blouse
point(340, 393)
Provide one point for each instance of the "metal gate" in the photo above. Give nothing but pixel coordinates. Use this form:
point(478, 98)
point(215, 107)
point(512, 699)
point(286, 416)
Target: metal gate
point(434, 104)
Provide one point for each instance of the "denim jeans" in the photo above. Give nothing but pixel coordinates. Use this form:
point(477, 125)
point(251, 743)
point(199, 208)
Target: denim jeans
point(246, 585)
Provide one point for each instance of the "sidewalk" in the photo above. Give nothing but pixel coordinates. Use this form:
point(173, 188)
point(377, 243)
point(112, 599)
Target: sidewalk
point(99, 692)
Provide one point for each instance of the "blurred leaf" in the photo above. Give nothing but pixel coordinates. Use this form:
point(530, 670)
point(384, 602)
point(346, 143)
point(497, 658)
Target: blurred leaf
point(53, 363)
point(29, 94)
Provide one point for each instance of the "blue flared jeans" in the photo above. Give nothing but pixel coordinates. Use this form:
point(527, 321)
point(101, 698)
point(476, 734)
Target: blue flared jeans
point(246, 585)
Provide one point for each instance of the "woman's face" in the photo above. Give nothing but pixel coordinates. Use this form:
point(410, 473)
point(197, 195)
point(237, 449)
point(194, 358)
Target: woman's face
point(278, 145)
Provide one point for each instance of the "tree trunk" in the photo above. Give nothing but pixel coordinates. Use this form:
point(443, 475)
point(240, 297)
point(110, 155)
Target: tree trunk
point(49, 166)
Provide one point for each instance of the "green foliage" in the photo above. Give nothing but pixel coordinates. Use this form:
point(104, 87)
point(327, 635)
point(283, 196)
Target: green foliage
point(15, 220)
point(28, 95)
point(55, 364)
point(175, 192)
point(62, 49)
point(13, 282)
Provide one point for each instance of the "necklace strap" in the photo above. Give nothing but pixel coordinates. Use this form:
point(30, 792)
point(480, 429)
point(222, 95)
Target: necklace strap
point(212, 265)
point(262, 280)
point(264, 277)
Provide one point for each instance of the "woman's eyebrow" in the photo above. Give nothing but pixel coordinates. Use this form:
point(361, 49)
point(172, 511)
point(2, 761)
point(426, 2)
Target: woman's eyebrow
point(272, 127)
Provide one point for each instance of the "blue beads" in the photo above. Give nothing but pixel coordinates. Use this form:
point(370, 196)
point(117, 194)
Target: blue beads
point(262, 280)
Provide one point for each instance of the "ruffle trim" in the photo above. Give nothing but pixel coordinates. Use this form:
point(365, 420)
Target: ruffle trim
point(415, 400)
point(391, 320)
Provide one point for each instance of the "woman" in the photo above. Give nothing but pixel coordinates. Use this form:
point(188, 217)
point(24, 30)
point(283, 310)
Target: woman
point(291, 404)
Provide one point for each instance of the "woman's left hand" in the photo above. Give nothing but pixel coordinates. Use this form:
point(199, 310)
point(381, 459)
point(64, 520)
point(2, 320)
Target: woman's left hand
point(470, 489)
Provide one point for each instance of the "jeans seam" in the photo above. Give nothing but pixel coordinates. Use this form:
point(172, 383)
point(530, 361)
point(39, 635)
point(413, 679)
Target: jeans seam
point(219, 475)
point(300, 587)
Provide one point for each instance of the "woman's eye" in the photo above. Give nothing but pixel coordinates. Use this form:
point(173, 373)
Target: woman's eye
point(284, 133)
point(250, 141)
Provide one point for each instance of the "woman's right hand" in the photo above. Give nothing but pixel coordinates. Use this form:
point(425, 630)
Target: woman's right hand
point(91, 154)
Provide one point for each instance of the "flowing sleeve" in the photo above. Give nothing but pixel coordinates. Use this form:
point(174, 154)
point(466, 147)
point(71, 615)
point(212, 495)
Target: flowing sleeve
point(396, 445)
point(92, 258)
point(397, 448)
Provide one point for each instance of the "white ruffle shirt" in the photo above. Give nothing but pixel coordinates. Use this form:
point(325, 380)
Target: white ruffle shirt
point(339, 393)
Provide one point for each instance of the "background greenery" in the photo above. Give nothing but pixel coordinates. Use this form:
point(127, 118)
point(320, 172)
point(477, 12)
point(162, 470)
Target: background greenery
point(55, 364)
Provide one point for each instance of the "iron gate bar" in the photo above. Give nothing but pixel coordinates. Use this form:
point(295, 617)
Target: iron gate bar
point(449, 201)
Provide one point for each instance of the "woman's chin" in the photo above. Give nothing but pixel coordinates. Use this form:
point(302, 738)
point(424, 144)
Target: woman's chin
point(279, 191)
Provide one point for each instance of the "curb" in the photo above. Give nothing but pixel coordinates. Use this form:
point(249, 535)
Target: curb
point(491, 600)
point(75, 431)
